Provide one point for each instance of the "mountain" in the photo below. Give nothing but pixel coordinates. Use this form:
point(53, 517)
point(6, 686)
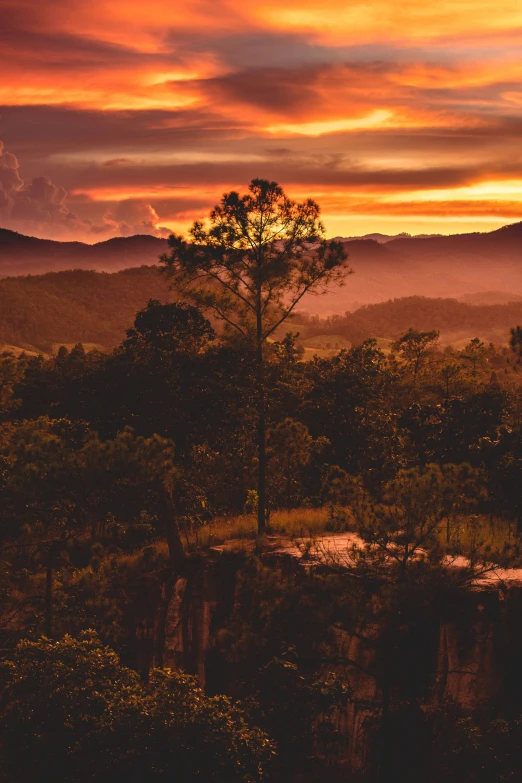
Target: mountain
point(440, 266)
point(388, 237)
point(38, 313)
point(432, 266)
point(21, 255)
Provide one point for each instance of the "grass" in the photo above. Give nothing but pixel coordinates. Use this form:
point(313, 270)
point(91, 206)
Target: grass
point(465, 534)
point(291, 523)
point(490, 534)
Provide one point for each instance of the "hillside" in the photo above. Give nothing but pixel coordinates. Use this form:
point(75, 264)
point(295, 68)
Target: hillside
point(39, 312)
point(434, 266)
point(445, 266)
point(490, 298)
point(457, 321)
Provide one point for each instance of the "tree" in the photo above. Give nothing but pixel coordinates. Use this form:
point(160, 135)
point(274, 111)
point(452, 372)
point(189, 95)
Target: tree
point(450, 373)
point(289, 451)
point(399, 579)
point(69, 706)
point(349, 401)
point(60, 482)
point(475, 354)
point(169, 328)
point(404, 524)
point(252, 265)
point(414, 347)
point(515, 340)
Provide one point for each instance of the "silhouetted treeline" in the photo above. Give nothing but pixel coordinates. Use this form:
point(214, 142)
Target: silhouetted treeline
point(365, 411)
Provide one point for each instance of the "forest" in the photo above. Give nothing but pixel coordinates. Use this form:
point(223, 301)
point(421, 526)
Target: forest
point(39, 313)
point(220, 562)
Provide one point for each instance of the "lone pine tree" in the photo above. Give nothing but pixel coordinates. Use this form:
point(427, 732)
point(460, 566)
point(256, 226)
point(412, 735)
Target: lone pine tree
point(250, 265)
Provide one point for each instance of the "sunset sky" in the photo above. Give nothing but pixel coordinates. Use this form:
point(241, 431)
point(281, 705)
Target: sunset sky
point(124, 116)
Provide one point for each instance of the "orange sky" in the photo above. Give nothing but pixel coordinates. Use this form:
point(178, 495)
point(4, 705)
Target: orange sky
point(395, 115)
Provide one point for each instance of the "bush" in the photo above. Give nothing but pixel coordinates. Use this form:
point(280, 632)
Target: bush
point(71, 713)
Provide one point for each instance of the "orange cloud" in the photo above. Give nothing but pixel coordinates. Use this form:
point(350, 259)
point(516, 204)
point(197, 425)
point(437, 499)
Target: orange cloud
point(384, 110)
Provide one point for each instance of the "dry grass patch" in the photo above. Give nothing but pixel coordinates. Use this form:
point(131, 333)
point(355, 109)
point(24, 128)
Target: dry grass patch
point(292, 523)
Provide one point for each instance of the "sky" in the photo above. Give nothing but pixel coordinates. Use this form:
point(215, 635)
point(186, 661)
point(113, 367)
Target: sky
point(123, 116)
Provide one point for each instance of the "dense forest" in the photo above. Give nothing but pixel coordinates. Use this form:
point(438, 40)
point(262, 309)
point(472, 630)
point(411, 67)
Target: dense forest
point(456, 321)
point(41, 312)
point(171, 604)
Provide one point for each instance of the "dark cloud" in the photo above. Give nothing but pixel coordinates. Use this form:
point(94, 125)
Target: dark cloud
point(279, 89)
point(65, 52)
point(62, 129)
point(328, 170)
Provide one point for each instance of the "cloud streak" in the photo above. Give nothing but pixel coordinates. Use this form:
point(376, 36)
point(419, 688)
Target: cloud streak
point(145, 114)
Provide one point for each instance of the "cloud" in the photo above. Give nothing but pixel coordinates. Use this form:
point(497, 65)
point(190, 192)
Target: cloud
point(40, 208)
point(36, 205)
point(116, 162)
point(134, 217)
point(163, 107)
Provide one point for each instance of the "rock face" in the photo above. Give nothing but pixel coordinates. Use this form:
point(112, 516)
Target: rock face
point(475, 659)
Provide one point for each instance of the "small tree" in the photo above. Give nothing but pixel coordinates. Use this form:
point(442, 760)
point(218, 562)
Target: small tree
point(475, 354)
point(252, 265)
point(414, 347)
point(398, 582)
point(515, 340)
point(450, 374)
point(290, 448)
point(168, 329)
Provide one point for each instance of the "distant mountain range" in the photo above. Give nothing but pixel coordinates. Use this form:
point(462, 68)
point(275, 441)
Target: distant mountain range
point(385, 268)
point(383, 238)
point(21, 255)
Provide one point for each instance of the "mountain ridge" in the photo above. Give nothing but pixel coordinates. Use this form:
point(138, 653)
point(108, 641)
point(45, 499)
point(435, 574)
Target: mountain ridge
point(436, 266)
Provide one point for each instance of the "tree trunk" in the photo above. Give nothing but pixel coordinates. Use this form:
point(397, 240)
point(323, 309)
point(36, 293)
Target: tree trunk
point(261, 436)
point(172, 533)
point(167, 591)
point(49, 584)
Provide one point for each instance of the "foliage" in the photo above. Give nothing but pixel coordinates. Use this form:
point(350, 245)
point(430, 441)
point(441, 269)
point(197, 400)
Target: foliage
point(109, 461)
point(260, 255)
point(414, 348)
point(71, 707)
point(478, 750)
